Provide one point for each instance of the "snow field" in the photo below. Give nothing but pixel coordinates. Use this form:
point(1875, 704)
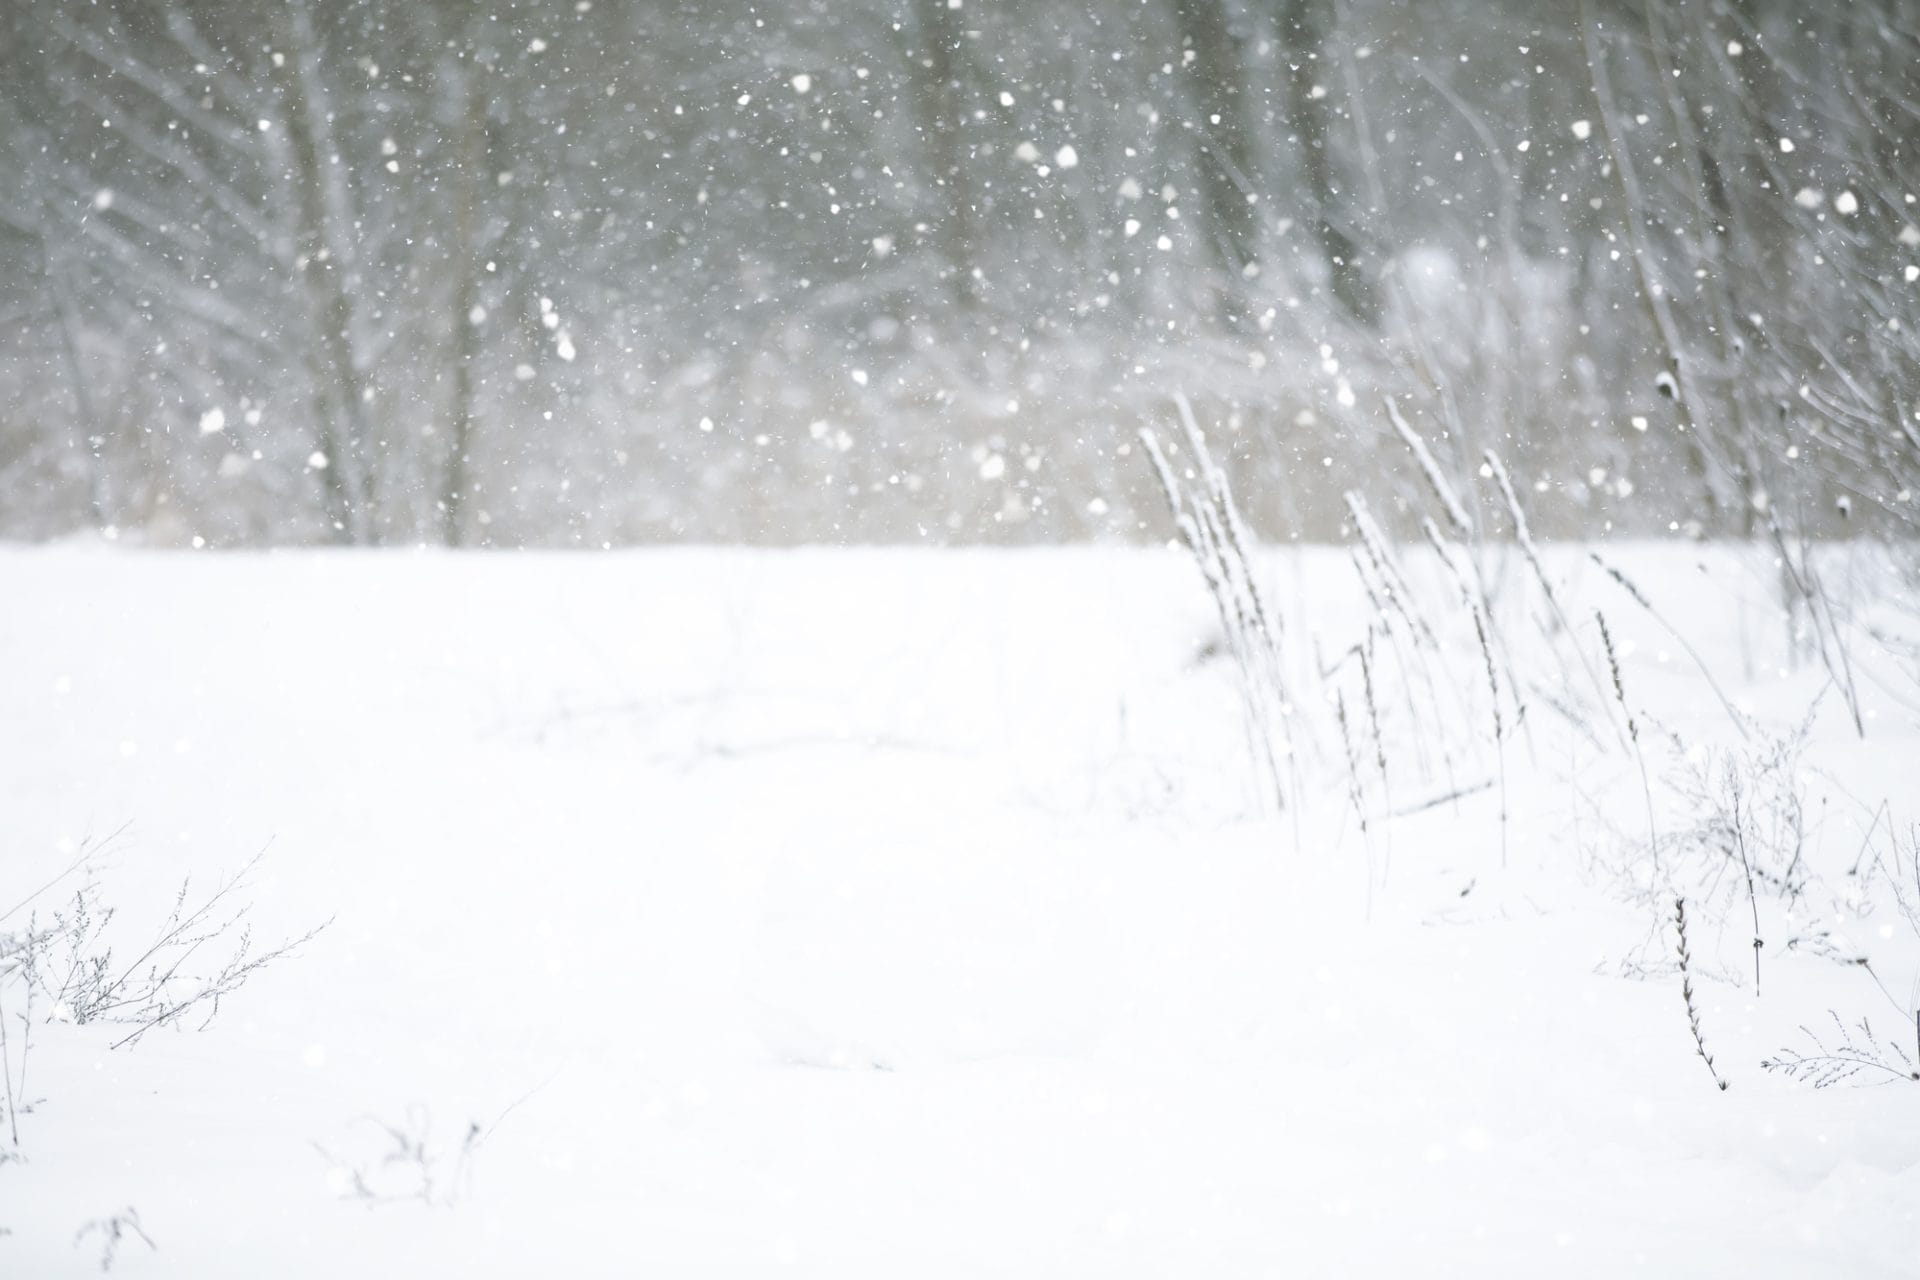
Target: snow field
point(891, 912)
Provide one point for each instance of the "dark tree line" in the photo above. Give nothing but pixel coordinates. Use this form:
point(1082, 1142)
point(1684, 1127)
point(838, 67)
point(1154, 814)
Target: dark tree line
point(584, 272)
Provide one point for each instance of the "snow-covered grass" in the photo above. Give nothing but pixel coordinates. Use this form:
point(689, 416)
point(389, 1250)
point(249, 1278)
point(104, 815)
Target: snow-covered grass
point(917, 913)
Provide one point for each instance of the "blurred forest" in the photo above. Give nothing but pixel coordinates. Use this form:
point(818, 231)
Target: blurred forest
point(586, 272)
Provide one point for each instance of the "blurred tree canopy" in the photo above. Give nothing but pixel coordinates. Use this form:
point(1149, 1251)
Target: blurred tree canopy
point(585, 272)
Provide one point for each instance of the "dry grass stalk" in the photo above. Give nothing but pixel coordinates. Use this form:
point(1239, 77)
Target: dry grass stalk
point(1436, 479)
point(1523, 534)
point(1210, 526)
point(1686, 993)
point(1735, 793)
point(1633, 735)
point(1625, 583)
point(1499, 722)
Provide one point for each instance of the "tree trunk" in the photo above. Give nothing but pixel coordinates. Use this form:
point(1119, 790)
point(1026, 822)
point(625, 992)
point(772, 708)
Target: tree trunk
point(937, 106)
point(87, 424)
point(1652, 289)
point(325, 254)
point(1303, 29)
point(1217, 85)
point(463, 261)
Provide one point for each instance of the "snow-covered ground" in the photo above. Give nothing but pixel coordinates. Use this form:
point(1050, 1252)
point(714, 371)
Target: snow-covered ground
point(905, 913)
